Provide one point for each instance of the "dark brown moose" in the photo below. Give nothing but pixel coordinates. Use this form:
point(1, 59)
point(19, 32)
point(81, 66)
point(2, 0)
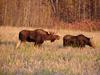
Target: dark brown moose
point(37, 36)
point(77, 41)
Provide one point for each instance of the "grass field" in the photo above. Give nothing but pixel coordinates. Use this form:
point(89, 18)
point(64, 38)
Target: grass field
point(51, 58)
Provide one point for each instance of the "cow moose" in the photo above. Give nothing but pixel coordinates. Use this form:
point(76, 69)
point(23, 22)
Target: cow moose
point(77, 41)
point(38, 36)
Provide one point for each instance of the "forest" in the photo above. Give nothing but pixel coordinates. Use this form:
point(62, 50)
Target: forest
point(48, 13)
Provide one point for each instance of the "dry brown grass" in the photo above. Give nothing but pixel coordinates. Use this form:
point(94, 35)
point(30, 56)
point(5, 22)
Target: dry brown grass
point(83, 25)
point(50, 59)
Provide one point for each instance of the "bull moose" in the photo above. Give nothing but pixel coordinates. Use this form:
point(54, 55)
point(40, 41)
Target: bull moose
point(38, 36)
point(77, 41)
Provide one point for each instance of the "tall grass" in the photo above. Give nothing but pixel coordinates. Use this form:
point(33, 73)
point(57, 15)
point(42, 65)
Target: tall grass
point(50, 59)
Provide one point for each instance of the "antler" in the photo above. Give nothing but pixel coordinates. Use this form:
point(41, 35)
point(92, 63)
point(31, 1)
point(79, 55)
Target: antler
point(50, 32)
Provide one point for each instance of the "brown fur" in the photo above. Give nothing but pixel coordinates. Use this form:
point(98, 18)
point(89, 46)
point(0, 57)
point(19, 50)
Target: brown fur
point(37, 36)
point(77, 41)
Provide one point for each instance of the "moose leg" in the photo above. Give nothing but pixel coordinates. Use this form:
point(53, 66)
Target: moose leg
point(64, 43)
point(18, 44)
point(35, 43)
point(23, 43)
point(38, 43)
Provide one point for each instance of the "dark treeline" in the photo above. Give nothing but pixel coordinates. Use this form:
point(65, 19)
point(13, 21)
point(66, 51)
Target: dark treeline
point(42, 12)
point(76, 10)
